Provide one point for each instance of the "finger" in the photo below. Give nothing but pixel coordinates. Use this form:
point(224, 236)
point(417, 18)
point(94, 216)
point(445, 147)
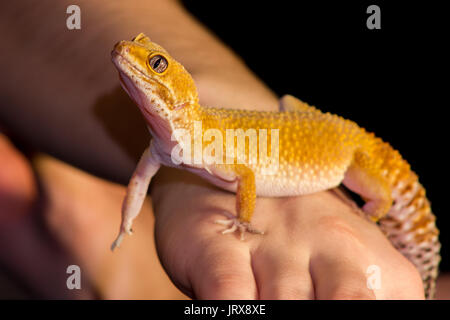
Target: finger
point(339, 278)
point(223, 271)
point(398, 278)
point(284, 276)
point(345, 266)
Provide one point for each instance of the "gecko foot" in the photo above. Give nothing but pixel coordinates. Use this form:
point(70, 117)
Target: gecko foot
point(119, 238)
point(234, 224)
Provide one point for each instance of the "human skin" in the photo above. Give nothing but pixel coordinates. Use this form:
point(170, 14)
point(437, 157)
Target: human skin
point(134, 273)
point(315, 246)
point(50, 213)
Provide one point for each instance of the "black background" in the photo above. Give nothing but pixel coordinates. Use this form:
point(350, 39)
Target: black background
point(389, 81)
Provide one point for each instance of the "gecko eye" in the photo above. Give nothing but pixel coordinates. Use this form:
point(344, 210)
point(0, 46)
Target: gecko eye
point(158, 63)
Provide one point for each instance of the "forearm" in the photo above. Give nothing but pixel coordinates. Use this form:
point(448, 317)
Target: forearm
point(60, 91)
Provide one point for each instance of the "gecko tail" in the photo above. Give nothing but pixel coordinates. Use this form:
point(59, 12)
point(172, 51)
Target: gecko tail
point(410, 226)
point(409, 223)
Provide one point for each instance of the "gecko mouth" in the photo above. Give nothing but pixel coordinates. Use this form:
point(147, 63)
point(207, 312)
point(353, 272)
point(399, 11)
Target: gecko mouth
point(126, 77)
point(117, 57)
point(122, 83)
point(127, 85)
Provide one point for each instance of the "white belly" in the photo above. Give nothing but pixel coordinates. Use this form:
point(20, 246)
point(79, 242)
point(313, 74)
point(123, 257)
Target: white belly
point(289, 182)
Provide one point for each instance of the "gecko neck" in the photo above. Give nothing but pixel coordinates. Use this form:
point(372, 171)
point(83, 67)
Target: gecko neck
point(185, 117)
point(162, 129)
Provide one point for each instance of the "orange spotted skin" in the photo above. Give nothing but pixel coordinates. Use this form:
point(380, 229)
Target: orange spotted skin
point(315, 151)
point(307, 142)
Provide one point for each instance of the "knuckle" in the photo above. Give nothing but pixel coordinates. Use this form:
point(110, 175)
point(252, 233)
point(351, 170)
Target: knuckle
point(225, 283)
point(291, 293)
point(291, 290)
point(352, 293)
point(226, 287)
point(409, 281)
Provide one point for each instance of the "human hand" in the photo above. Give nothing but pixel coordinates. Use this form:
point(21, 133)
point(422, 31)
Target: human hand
point(70, 219)
point(315, 247)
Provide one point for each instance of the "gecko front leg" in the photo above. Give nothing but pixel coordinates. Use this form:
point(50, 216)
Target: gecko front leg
point(137, 190)
point(245, 203)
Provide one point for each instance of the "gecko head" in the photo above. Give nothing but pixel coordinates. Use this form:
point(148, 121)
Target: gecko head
point(156, 82)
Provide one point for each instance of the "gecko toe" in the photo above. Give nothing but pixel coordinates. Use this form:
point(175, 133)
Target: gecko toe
point(117, 242)
point(230, 229)
point(234, 224)
point(227, 222)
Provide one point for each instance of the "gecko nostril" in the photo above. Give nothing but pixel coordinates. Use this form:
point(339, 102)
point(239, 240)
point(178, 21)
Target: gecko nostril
point(121, 47)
